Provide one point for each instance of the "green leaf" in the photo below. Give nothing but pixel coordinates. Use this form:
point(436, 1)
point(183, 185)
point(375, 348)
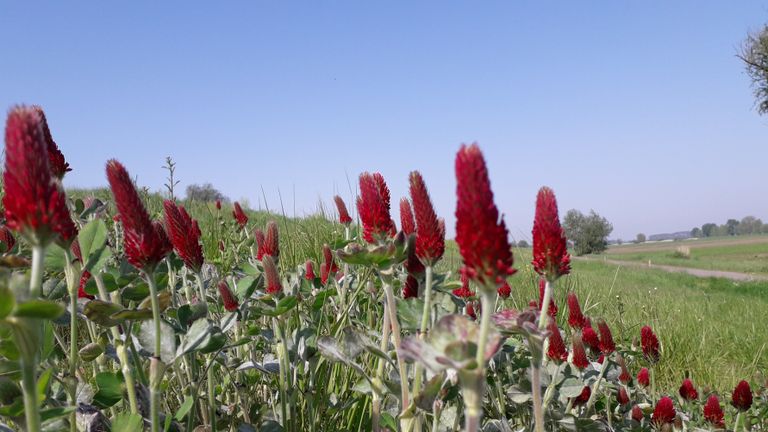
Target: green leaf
point(90, 352)
point(52, 413)
point(184, 408)
point(409, 313)
point(110, 390)
point(322, 296)
point(285, 304)
point(127, 422)
point(247, 285)
point(388, 421)
point(93, 245)
point(43, 381)
point(100, 312)
point(571, 387)
point(54, 258)
point(202, 336)
point(41, 309)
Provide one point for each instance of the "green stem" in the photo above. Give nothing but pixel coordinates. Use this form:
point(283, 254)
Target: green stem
point(473, 395)
point(538, 404)
point(211, 395)
point(425, 319)
point(736, 423)
point(282, 374)
point(156, 365)
point(392, 309)
point(71, 276)
point(378, 379)
point(36, 279)
point(596, 387)
point(29, 387)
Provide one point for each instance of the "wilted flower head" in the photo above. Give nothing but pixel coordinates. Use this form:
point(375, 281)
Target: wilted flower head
point(34, 204)
point(713, 413)
point(464, 291)
point(552, 309)
point(742, 396)
point(342, 209)
point(184, 234)
point(504, 290)
point(373, 208)
point(550, 252)
point(272, 241)
point(556, 350)
point(650, 344)
point(56, 161)
point(309, 271)
point(480, 233)
point(664, 411)
point(580, 359)
point(240, 217)
point(227, 297)
point(575, 317)
point(607, 346)
point(688, 391)
point(643, 377)
point(7, 241)
point(430, 238)
point(407, 223)
point(146, 243)
point(271, 275)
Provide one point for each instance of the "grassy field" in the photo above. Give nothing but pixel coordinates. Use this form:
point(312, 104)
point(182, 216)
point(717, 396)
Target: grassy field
point(748, 254)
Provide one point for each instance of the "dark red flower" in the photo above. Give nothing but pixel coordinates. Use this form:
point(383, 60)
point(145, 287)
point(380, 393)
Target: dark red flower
point(480, 233)
point(607, 346)
point(472, 308)
point(624, 376)
point(556, 350)
point(342, 209)
point(430, 238)
point(580, 359)
point(407, 223)
point(309, 271)
point(34, 203)
point(324, 273)
point(261, 240)
point(6, 239)
point(412, 263)
point(330, 262)
point(575, 317)
point(550, 251)
point(146, 243)
point(81, 288)
point(227, 297)
point(464, 291)
point(552, 310)
point(56, 162)
point(637, 414)
point(664, 412)
point(184, 234)
point(504, 290)
point(643, 377)
point(713, 413)
point(373, 208)
point(272, 277)
point(622, 397)
point(221, 245)
point(218, 204)
point(240, 217)
point(688, 391)
point(583, 398)
point(589, 336)
point(742, 396)
point(272, 241)
point(650, 344)
point(411, 287)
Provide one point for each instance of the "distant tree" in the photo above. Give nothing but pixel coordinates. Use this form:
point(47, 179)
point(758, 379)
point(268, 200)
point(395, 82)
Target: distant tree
point(522, 244)
point(708, 229)
point(731, 225)
point(696, 232)
point(588, 233)
point(205, 192)
point(754, 54)
point(749, 225)
point(619, 242)
point(640, 238)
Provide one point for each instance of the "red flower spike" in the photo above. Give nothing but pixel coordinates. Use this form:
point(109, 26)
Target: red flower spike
point(272, 277)
point(580, 359)
point(643, 377)
point(607, 346)
point(664, 412)
point(650, 344)
point(624, 376)
point(218, 204)
point(7, 239)
point(583, 398)
point(373, 208)
point(464, 291)
point(411, 287)
point(227, 297)
point(184, 234)
point(344, 217)
point(622, 397)
point(146, 244)
point(590, 338)
point(637, 414)
point(575, 317)
point(504, 290)
point(430, 239)
point(261, 241)
point(688, 391)
point(272, 241)
point(309, 271)
point(713, 413)
point(324, 273)
point(81, 288)
point(240, 217)
point(480, 233)
point(56, 162)
point(550, 251)
point(742, 396)
point(34, 204)
point(556, 350)
point(407, 223)
point(552, 310)
point(472, 308)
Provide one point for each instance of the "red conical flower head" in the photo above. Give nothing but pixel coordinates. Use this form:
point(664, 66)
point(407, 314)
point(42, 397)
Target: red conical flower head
point(261, 240)
point(274, 285)
point(430, 238)
point(329, 260)
point(373, 208)
point(407, 223)
point(504, 290)
point(240, 217)
point(713, 413)
point(344, 217)
point(575, 317)
point(583, 398)
point(556, 350)
point(664, 412)
point(309, 271)
point(688, 391)
point(56, 162)
point(272, 241)
point(622, 397)
point(464, 291)
point(650, 344)
point(411, 287)
point(227, 297)
point(184, 234)
point(742, 396)
point(624, 376)
point(643, 377)
point(637, 414)
point(607, 346)
point(580, 359)
point(589, 336)
point(550, 252)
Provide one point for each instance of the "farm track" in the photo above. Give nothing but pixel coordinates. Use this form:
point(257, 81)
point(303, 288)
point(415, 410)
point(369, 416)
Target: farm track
point(693, 244)
point(735, 276)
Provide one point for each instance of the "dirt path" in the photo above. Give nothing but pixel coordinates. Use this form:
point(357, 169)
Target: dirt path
point(674, 269)
point(693, 244)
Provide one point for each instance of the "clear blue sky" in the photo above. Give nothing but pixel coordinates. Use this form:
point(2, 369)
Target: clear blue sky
point(639, 110)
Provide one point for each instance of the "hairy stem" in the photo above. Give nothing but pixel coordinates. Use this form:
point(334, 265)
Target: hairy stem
point(376, 407)
point(392, 309)
point(29, 388)
point(156, 365)
point(473, 394)
point(36, 276)
point(72, 276)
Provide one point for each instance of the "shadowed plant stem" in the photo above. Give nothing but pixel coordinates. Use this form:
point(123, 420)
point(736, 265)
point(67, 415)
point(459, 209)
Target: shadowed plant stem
point(538, 405)
point(425, 320)
point(378, 379)
point(28, 359)
point(72, 283)
point(392, 309)
point(36, 276)
point(473, 394)
point(156, 365)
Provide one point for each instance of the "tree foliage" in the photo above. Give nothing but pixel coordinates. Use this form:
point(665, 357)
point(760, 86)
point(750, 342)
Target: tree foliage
point(205, 192)
point(588, 233)
point(640, 238)
point(754, 54)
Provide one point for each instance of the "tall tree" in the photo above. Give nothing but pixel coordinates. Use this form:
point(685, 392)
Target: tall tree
point(754, 54)
point(588, 233)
